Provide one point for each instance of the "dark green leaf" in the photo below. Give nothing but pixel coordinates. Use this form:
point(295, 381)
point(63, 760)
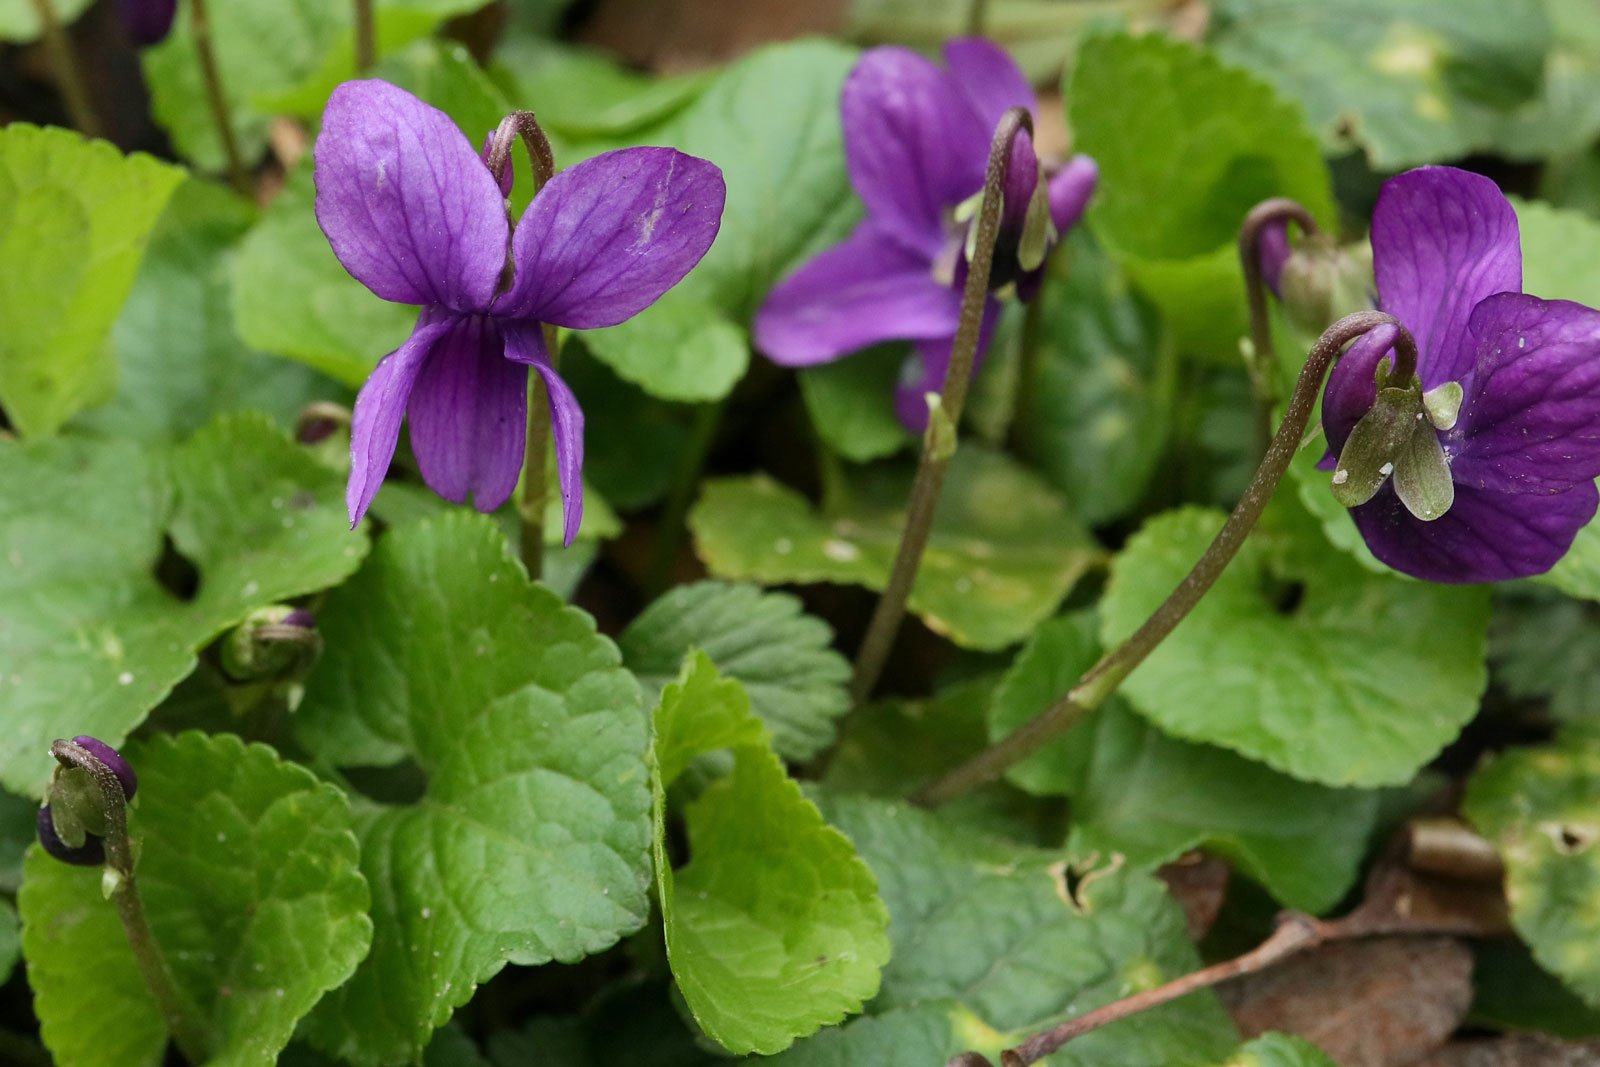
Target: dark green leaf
point(1298, 657)
point(530, 842)
point(1004, 550)
point(782, 656)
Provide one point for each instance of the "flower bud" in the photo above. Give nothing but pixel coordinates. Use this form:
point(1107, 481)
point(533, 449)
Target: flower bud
point(497, 157)
point(1321, 282)
point(72, 820)
point(275, 643)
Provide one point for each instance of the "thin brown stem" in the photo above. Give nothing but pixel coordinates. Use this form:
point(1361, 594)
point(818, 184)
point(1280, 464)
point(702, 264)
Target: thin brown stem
point(937, 446)
point(1102, 679)
point(69, 72)
point(182, 1019)
point(366, 37)
point(1263, 361)
point(1295, 933)
point(211, 75)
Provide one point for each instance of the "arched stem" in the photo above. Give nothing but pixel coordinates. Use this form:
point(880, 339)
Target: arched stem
point(1104, 677)
point(1263, 362)
point(938, 443)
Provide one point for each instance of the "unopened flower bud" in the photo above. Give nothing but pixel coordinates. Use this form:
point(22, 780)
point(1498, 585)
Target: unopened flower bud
point(500, 168)
point(1321, 282)
point(278, 642)
point(72, 820)
point(319, 420)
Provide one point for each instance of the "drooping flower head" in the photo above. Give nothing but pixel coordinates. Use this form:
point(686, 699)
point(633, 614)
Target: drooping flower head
point(414, 214)
point(89, 849)
point(1484, 470)
point(917, 139)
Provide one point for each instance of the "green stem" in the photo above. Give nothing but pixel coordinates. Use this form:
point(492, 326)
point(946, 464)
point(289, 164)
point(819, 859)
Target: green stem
point(1101, 680)
point(1263, 361)
point(535, 472)
point(69, 72)
point(182, 1019)
point(1021, 427)
point(366, 37)
point(211, 75)
point(669, 535)
point(936, 445)
point(977, 17)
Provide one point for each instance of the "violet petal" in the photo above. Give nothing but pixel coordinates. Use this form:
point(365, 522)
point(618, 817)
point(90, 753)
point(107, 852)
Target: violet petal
point(1531, 420)
point(865, 290)
point(380, 408)
point(606, 238)
point(987, 78)
point(1070, 190)
point(113, 760)
point(92, 853)
point(1352, 386)
point(1486, 536)
point(1272, 252)
point(468, 414)
point(1442, 240)
point(525, 344)
point(1022, 177)
point(927, 374)
point(913, 146)
point(405, 201)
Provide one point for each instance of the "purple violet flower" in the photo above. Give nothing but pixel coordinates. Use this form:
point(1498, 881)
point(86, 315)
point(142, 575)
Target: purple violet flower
point(147, 22)
point(917, 140)
point(1520, 440)
point(414, 215)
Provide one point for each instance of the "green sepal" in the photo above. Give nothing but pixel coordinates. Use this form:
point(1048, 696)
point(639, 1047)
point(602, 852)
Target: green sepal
point(1368, 456)
point(1443, 404)
point(1422, 475)
point(75, 806)
point(1038, 230)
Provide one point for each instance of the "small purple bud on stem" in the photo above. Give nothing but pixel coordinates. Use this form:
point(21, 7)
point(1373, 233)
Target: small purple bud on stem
point(278, 643)
point(501, 169)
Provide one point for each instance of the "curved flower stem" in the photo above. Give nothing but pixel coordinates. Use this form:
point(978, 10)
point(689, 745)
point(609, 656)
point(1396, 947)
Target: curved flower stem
point(1101, 680)
point(210, 73)
point(366, 37)
point(182, 1019)
point(69, 72)
point(938, 443)
point(1263, 361)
